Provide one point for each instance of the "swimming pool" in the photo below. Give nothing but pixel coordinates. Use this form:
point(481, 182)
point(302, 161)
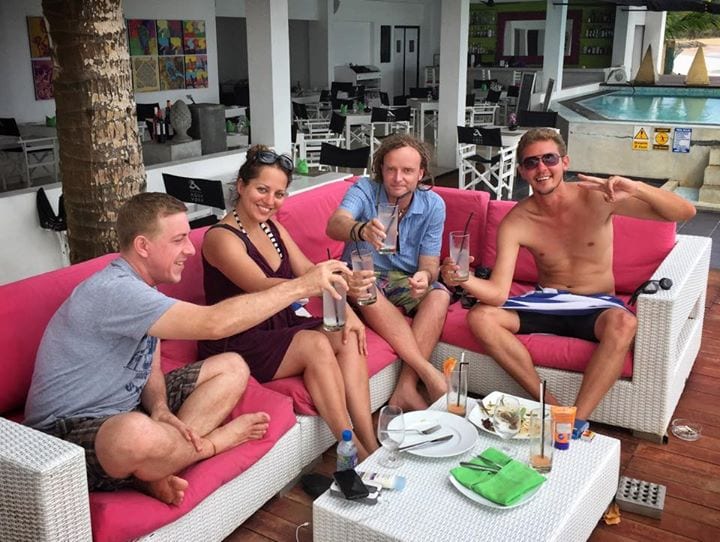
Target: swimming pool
point(672, 105)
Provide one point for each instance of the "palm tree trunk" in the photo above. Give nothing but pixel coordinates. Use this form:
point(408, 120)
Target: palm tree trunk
point(100, 154)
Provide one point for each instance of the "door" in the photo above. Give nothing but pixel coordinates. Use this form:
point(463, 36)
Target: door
point(406, 48)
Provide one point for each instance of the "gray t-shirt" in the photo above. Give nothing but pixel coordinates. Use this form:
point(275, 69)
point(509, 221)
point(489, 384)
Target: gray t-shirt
point(95, 355)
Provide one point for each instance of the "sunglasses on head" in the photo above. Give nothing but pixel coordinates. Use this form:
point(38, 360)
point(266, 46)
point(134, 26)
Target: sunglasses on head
point(549, 159)
point(650, 287)
point(270, 158)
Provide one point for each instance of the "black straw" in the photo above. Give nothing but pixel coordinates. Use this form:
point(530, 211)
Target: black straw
point(462, 362)
point(465, 229)
point(335, 303)
point(542, 421)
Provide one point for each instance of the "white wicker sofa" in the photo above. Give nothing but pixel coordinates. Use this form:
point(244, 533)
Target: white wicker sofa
point(43, 493)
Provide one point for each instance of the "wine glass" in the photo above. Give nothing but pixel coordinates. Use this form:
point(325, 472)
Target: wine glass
point(506, 420)
point(391, 437)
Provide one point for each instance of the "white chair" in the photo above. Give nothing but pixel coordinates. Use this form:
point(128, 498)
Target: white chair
point(482, 114)
point(309, 144)
point(483, 160)
point(387, 121)
point(39, 154)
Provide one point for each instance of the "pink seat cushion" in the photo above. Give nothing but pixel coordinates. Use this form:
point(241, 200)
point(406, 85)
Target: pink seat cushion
point(525, 269)
point(380, 355)
point(26, 308)
point(462, 205)
point(127, 514)
point(306, 215)
point(551, 351)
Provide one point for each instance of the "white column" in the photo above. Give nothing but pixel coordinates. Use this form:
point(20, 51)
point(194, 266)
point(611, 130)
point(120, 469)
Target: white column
point(655, 36)
point(554, 47)
point(455, 19)
point(269, 72)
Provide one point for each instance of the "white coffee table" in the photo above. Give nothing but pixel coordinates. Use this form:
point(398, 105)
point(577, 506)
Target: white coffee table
point(567, 508)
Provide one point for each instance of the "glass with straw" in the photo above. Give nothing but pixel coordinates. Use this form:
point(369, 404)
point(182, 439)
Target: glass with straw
point(541, 436)
point(334, 309)
point(460, 251)
point(388, 217)
point(457, 388)
point(362, 260)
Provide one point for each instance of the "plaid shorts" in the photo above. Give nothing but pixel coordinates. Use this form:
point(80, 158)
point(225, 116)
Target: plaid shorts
point(396, 287)
point(82, 431)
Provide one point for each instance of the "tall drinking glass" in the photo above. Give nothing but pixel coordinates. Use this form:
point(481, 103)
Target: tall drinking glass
point(391, 437)
point(388, 217)
point(334, 309)
point(362, 260)
point(460, 253)
point(506, 420)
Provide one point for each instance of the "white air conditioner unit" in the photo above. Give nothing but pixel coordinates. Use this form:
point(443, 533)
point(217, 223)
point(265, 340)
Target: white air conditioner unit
point(616, 76)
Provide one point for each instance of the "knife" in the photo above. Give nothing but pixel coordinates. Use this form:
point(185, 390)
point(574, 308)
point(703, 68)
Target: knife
point(424, 442)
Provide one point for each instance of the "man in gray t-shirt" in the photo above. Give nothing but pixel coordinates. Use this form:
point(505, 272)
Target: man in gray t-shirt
point(97, 379)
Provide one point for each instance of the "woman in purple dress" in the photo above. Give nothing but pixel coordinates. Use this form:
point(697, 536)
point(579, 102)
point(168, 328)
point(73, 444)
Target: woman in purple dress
point(248, 252)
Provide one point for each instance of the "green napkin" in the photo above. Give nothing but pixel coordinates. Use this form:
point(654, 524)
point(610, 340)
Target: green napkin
point(505, 487)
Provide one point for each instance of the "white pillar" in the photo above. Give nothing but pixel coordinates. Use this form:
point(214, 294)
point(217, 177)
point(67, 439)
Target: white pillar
point(455, 20)
point(554, 47)
point(269, 72)
point(655, 36)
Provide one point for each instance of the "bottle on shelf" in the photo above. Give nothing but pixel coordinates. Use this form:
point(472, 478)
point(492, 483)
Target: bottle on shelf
point(347, 457)
point(168, 126)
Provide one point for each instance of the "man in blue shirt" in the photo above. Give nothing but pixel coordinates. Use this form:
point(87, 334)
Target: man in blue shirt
point(408, 277)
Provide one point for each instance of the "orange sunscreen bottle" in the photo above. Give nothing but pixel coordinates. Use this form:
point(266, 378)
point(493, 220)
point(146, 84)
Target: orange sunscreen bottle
point(563, 418)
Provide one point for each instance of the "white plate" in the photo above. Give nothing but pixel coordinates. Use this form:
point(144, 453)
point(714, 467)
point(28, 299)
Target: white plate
point(470, 494)
point(477, 415)
point(463, 433)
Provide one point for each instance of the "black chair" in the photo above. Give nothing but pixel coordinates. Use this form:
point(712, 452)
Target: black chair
point(145, 111)
point(202, 192)
point(56, 223)
point(385, 114)
point(330, 155)
point(469, 100)
point(337, 86)
point(325, 96)
point(420, 92)
point(400, 100)
point(337, 124)
point(493, 96)
point(384, 99)
point(489, 137)
point(546, 119)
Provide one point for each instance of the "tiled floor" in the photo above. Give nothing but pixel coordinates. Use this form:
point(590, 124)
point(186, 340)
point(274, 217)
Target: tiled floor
point(705, 223)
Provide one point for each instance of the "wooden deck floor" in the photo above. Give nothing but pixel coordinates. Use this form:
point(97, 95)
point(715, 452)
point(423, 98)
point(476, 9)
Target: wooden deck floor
point(690, 470)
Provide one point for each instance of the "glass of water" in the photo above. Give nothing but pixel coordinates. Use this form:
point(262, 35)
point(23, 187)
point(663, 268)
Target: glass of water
point(506, 420)
point(391, 437)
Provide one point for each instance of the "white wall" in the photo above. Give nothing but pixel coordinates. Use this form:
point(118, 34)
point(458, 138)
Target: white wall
point(17, 96)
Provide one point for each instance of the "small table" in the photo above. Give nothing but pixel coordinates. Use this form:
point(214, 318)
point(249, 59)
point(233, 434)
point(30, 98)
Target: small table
point(582, 483)
point(423, 106)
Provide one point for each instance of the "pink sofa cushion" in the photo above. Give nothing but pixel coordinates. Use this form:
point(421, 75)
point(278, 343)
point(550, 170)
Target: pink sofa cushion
point(306, 215)
point(459, 205)
point(127, 514)
point(639, 247)
point(550, 351)
point(380, 356)
point(190, 288)
point(26, 308)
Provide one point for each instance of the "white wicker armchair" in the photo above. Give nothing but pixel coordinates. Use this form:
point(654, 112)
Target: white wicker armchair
point(668, 339)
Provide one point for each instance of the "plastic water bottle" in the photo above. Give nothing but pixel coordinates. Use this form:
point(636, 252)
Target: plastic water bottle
point(346, 452)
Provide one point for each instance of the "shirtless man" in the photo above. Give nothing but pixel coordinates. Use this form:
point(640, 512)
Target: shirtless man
point(568, 229)
point(98, 380)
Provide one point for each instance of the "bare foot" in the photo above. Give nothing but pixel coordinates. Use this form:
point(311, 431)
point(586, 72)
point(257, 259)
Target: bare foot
point(408, 398)
point(435, 384)
point(170, 490)
point(241, 429)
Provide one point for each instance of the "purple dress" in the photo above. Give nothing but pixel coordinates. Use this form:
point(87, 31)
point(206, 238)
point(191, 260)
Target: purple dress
point(263, 347)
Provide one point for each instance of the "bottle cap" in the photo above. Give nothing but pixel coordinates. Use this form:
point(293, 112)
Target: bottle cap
point(347, 435)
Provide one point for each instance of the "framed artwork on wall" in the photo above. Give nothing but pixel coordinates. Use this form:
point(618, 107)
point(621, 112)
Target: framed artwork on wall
point(41, 63)
point(145, 73)
point(142, 35)
point(172, 72)
point(169, 37)
point(194, 38)
point(42, 70)
point(196, 75)
point(38, 37)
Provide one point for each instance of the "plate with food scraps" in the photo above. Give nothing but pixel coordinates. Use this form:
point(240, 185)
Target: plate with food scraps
point(481, 414)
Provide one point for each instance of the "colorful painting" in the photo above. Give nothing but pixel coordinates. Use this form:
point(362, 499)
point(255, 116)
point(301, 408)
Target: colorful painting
point(194, 37)
point(172, 72)
point(142, 37)
point(196, 75)
point(169, 37)
point(38, 36)
point(42, 71)
point(145, 73)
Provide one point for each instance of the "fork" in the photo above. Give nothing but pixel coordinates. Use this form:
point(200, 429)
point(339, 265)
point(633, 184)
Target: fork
point(426, 431)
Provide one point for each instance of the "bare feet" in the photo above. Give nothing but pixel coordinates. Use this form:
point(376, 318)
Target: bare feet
point(408, 398)
point(170, 490)
point(241, 429)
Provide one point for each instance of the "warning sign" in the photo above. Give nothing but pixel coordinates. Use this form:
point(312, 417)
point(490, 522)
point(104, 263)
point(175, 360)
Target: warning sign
point(661, 139)
point(681, 139)
point(641, 140)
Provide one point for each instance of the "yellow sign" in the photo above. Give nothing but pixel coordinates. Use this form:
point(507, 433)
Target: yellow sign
point(641, 140)
point(661, 139)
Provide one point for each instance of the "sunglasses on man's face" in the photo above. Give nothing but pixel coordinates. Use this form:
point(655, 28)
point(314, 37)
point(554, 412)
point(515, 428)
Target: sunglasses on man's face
point(549, 159)
point(650, 287)
point(269, 158)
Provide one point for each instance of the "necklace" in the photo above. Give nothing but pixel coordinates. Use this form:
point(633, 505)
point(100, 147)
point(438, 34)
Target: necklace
point(264, 226)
